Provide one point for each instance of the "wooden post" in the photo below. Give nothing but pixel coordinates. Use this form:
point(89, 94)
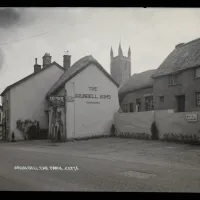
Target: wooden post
point(65, 115)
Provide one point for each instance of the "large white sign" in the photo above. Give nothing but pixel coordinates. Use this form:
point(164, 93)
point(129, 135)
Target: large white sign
point(192, 117)
point(92, 97)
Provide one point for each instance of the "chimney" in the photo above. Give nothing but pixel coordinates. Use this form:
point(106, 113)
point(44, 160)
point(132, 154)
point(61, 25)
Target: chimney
point(37, 67)
point(66, 61)
point(46, 59)
point(179, 45)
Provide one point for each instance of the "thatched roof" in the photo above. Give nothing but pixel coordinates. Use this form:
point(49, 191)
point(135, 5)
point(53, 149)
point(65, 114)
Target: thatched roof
point(182, 57)
point(137, 82)
point(75, 69)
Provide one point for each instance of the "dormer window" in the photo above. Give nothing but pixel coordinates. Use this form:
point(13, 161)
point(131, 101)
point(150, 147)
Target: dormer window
point(173, 79)
point(197, 72)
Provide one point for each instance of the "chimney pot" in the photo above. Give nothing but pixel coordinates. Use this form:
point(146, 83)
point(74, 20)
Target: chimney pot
point(37, 67)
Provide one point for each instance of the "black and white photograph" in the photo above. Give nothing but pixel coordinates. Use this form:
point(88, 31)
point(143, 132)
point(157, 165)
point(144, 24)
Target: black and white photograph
point(100, 99)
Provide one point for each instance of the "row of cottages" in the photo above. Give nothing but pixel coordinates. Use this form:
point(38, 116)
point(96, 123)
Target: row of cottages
point(70, 102)
point(136, 95)
point(174, 85)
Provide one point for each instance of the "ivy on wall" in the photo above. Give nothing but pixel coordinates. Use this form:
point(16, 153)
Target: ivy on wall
point(29, 129)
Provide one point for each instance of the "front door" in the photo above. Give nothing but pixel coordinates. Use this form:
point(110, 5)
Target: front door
point(181, 103)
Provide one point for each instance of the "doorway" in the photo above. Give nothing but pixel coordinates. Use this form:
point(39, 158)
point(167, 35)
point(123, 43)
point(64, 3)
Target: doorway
point(181, 103)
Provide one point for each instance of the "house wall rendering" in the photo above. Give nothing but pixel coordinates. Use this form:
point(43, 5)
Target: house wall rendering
point(133, 96)
point(1, 119)
point(88, 117)
point(28, 98)
point(187, 85)
point(6, 114)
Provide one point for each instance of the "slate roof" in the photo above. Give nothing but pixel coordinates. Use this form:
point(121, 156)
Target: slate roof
point(184, 56)
point(29, 76)
point(136, 82)
point(75, 69)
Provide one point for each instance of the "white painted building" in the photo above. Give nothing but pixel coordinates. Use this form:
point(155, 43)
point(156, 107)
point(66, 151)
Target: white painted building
point(25, 99)
point(90, 101)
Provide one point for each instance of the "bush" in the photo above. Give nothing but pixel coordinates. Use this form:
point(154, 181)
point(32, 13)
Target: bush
point(188, 139)
point(142, 136)
point(154, 132)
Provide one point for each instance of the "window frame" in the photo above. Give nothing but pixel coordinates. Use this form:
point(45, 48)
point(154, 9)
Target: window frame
point(195, 72)
point(139, 100)
point(162, 97)
point(149, 106)
point(197, 93)
point(175, 78)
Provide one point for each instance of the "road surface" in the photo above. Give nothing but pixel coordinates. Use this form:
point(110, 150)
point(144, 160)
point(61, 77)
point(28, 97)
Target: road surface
point(108, 164)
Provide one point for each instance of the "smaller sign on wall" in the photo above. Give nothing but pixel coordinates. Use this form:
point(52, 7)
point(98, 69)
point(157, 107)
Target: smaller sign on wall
point(57, 100)
point(69, 99)
point(192, 117)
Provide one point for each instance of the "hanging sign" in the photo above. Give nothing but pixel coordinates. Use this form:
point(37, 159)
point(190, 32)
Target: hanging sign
point(57, 100)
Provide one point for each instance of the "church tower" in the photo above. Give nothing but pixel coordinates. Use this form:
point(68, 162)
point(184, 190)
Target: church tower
point(120, 66)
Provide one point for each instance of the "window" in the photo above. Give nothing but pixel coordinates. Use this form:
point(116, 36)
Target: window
point(173, 79)
point(0, 117)
point(161, 99)
point(138, 105)
point(148, 103)
point(198, 98)
point(131, 107)
point(197, 72)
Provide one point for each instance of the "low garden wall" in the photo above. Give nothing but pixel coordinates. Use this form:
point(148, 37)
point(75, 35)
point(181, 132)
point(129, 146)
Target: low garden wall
point(184, 127)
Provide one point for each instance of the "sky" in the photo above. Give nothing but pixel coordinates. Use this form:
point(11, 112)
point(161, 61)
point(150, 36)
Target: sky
point(151, 33)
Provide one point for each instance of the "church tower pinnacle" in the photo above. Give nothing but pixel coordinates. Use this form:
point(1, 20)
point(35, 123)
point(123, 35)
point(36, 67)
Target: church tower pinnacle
point(120, 53)
point(129, 52)
point(111, 53)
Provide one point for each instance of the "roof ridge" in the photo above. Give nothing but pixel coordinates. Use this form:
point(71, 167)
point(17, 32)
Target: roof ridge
point(81, 59)
point(76, 68)
point(137, 82)
point(191, 41)
point(181, 58)
point(31, 75)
